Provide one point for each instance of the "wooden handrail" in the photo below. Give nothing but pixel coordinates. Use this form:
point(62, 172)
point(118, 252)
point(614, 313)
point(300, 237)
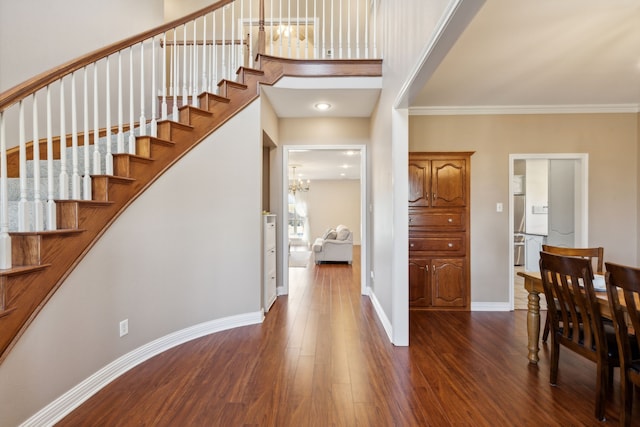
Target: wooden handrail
point(22, 90)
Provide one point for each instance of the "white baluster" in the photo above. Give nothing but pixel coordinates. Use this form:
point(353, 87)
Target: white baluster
point(306, 29)
point(174, 110)
point(172, 61)
point(340, 29)
point(5, 238)
point(375, 26)
point(132, 123)
point(86, 179)
point(358, 29)
point(233, 59)
point(224, 46)
point(272, 29)
point(366, 30)
point(63, 177)
point(204, 53)
point(251, 60)
point(38, 220)
point(194, 95)
point(164, 58)
point(75, 175)
point(349, 29)
point(288, 29)
point(108, 158)
point(323, 45)
point(51, 204)
point(23, 204)
point(185, 73)
point(154, 90)
point(143, 119)
point(332, 50)
point(214, 57)
point(190, 61)
point(297, 29)
point(120, 145)
point(96, 123)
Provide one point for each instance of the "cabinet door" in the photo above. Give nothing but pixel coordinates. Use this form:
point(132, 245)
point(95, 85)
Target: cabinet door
point(419, 182)
point(448, 183)
point(419, 295)
point(448, 282)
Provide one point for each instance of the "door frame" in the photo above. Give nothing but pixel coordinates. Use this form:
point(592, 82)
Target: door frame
point(581, 203)
point(364, 226)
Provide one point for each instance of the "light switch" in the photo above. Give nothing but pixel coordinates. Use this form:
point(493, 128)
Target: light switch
point(498, 207)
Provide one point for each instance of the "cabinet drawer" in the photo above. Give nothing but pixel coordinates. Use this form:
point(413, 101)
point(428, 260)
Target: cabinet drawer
point(436, 220)
point(450, 244)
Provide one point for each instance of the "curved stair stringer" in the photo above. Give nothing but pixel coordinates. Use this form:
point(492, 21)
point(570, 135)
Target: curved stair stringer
point(43, 260)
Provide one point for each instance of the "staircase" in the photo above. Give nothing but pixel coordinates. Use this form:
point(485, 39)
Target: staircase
point(42, 260)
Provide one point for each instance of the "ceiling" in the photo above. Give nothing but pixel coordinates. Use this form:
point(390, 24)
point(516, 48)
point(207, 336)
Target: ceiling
point(324, 164)
point(515, 56)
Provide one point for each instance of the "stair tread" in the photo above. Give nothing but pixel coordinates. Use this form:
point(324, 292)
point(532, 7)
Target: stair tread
point(48, 232)
point(23, 269)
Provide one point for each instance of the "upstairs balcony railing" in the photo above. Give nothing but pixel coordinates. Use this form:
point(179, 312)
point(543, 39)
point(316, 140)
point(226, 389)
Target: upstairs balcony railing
point(61, 127)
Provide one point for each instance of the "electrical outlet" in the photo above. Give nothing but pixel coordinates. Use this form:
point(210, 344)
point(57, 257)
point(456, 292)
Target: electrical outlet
point(124, 327)
point(499, 207)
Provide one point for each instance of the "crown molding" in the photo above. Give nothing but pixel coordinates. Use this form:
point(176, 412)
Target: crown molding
point(524, 109)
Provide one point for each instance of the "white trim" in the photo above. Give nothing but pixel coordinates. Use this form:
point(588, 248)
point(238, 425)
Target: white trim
point(491, 306)
point(382, 316)
point(62, 406)
point(524, 109)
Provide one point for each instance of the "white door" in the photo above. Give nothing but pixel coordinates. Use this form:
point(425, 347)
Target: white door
point(562, 203)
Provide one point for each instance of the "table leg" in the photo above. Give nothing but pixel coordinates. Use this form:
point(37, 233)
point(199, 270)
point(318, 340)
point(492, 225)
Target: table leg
point(533, 325)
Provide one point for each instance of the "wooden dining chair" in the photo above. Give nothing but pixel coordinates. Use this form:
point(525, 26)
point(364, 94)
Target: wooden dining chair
point(625, 281)
point(592, 254)
point(576, 323)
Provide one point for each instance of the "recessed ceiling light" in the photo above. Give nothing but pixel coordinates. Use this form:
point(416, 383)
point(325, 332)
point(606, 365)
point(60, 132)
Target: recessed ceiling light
point(322, 106)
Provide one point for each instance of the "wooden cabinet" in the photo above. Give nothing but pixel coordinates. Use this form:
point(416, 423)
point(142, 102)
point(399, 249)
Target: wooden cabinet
point(439, 230)
point(268, 261)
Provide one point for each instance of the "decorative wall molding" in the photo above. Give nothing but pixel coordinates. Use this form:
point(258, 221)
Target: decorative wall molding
point(65, 404)
point(524, 109)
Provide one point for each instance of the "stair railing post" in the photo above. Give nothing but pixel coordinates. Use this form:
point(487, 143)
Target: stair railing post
point(86, 179)
point(164, 59)
point(120, 145)
point(143, 120)
point(132, 119)
point(38, 220)
point(154, 90)
point(108, 157)
point(23, 204)
point(75, 176)
point(63, 177)
point(51, 204)
point(96, 123)
point(185, 73)
point(204, 53)
point(5, 238)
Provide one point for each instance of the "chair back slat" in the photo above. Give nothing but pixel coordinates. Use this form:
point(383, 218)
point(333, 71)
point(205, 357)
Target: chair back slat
point(569, 280)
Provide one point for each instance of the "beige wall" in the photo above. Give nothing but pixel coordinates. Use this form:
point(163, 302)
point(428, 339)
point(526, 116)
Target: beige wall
point(611, 141)
point(331, 203)
point(185, 252)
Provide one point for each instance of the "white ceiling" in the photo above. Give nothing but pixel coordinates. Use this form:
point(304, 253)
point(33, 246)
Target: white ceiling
point(324, 164)
point(514, 56)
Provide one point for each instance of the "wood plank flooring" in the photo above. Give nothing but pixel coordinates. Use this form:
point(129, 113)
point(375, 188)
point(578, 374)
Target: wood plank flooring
point(321, 358)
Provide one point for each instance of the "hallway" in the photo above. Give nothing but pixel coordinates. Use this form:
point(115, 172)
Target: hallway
point(321, 358)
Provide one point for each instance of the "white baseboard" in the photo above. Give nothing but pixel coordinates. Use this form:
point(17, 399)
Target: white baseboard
point(62, 406)
point(490, 306)
point(386, 324)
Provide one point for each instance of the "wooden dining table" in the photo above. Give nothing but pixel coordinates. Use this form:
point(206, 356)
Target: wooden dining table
point(533, 285)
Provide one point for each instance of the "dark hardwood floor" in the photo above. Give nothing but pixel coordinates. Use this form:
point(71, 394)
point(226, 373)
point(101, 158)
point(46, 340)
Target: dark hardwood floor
point(321, 358)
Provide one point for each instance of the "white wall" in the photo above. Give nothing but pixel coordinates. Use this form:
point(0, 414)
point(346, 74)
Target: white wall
point(36, 35)
point(183, 253)
point(331, 203)
point(405, 29)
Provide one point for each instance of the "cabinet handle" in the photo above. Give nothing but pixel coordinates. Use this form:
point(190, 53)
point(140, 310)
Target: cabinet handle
point(450, 220)
point(410, 219)
point(450, 245)
point(411, 245)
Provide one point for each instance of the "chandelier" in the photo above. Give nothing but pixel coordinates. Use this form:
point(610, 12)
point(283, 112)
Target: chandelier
point(298, 185)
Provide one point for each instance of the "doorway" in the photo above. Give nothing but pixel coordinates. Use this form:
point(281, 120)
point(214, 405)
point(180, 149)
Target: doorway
point(303, 228)
point(548, 204)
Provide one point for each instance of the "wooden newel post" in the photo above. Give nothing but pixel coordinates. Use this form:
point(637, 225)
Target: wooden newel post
point(261, 33)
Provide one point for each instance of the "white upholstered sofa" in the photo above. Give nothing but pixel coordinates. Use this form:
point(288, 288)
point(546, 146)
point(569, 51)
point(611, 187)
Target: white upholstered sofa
point(334, 246)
